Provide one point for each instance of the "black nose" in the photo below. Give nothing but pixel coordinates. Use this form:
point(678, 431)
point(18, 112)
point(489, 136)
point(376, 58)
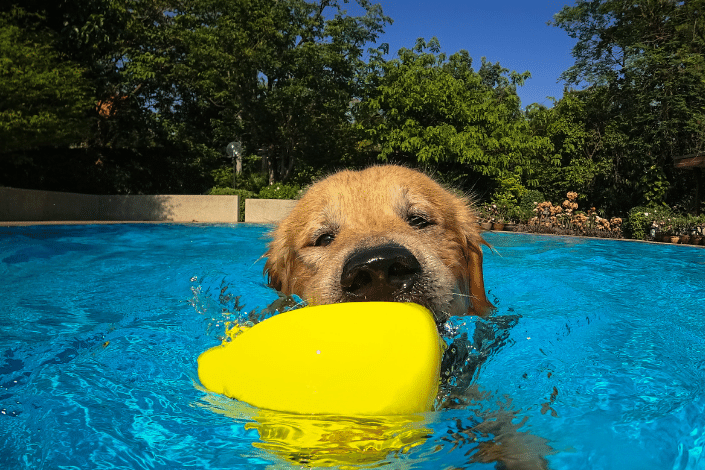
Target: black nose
point(381, 273)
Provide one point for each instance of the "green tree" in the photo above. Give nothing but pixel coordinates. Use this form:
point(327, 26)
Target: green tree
point(44, 99)
point(279, 76)
point(95, 34)
point(646, 62)
point(428, 107)
point(580, 144)
point(177, 80)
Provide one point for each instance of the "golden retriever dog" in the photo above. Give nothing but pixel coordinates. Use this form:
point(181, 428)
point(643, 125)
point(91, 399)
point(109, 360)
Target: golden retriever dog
point(390, 233)
point(387, 233)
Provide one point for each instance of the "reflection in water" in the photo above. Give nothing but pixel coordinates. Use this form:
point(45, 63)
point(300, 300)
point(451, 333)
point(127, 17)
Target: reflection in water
point(326, 441)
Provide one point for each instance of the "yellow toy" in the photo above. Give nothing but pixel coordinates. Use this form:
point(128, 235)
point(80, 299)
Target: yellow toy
point(354, 359)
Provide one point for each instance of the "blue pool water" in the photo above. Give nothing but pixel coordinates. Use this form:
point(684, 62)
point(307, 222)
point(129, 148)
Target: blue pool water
point(100, 328)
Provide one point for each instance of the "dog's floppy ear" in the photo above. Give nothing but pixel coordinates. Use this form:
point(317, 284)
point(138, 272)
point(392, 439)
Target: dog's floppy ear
point(471, 247)
point(277, 268)
point(473, 259)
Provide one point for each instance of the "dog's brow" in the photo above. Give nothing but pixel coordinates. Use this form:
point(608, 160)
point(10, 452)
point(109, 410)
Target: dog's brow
point(409, 204)
point(402, 201)
point(330, 218)
point(327, 221)
point(326, 228)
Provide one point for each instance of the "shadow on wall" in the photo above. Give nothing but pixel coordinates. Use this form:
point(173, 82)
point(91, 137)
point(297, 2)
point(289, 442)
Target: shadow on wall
point(136, 208)
point(32, 205)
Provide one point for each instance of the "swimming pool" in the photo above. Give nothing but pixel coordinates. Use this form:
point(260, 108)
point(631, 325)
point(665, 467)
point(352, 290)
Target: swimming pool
point(101, 326)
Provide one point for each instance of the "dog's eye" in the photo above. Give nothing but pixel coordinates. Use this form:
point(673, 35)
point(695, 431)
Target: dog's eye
point(325, 239)
point(418, 221)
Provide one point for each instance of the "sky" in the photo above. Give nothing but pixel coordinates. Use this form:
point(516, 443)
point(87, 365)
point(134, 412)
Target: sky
point(511, 32)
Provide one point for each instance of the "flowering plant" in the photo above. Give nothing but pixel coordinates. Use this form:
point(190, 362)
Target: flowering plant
point(566, 218)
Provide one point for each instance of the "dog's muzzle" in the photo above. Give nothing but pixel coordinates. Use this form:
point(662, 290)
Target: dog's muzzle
point(382, 273)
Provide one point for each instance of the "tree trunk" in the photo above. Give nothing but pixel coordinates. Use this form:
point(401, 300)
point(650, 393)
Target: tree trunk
point(698, 190)
point(271, 169)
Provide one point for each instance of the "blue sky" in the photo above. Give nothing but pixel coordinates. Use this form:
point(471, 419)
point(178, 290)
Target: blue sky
point(511, 32)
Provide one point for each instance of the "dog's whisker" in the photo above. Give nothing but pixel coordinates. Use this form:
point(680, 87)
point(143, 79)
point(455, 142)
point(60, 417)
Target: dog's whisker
point(469, 296)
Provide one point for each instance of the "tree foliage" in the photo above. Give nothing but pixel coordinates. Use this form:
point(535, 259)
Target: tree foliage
point(579, 141)
point(189, 76)
point(429, 107)
point(645, 66)
point(43, 96)
point(144, 95)
point(279, 76)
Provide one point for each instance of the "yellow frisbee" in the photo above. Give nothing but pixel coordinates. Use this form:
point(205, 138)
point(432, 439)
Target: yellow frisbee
point(362, 358)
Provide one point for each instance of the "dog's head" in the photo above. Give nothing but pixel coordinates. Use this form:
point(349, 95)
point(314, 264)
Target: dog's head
point(387, 233)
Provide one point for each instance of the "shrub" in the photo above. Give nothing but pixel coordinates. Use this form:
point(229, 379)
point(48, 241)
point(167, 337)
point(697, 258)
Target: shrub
point(641, 220)
point(528, 202)
point(509, 189)
point(502, 208)
point(484, 212)
point(700, 225)
point(637, 224)
point(279, 191)
point(530, 198)
point(222, 177)
point(249, 180)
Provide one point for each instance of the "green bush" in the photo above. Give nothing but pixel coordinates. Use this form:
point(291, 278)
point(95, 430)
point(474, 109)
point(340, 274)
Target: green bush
point(229, 192)
point(637, 224)
point(530, 197)
point(222, 177)
point(305, 175)
point(279, 191)
point(249, 179)
point(640, 219)
point(527, 203)
point(509, 190)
